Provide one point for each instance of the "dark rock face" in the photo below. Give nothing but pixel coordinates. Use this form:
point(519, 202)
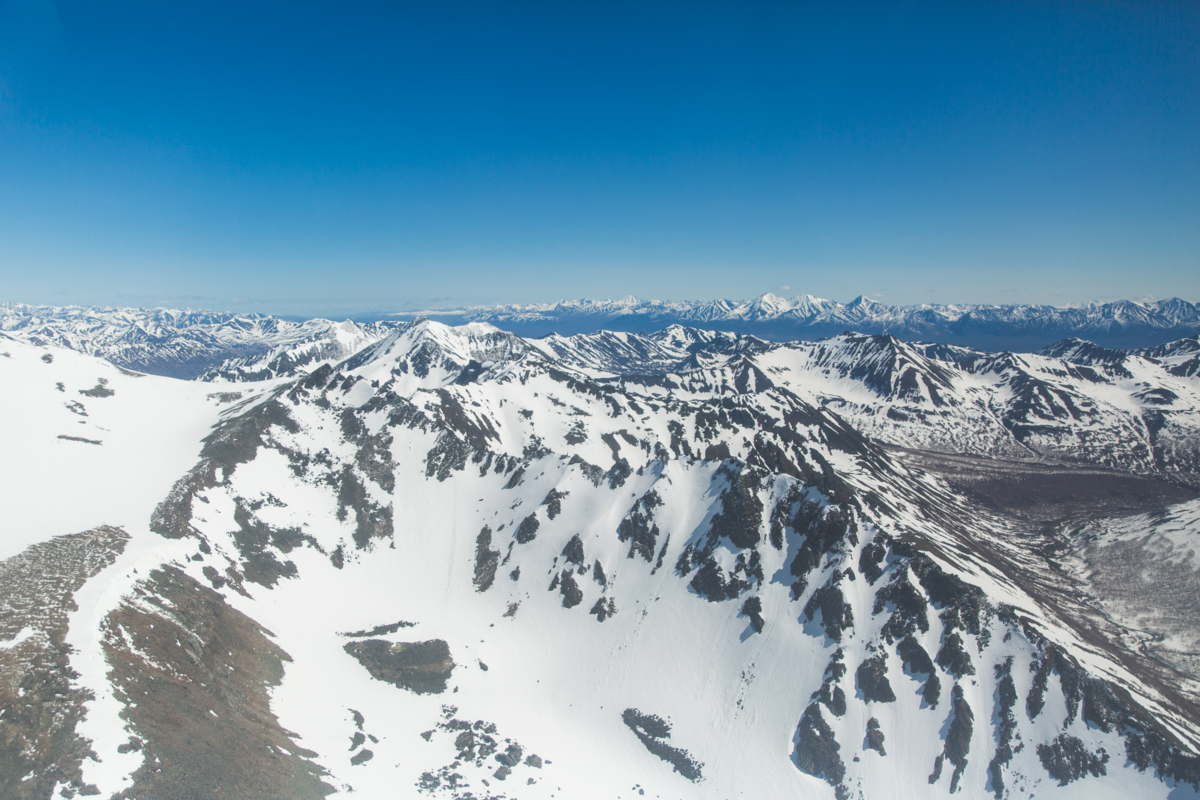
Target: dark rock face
point(511, 757)
point(910, 613)
point(958, 737)
point(817, 749)
point(954, 658)
point(619, 473)
point(875, 737)
point(836, 614)
point(873, 681)
point(653, 732)
point(916, 660)
point(603, 609)
point(1006, 700)
point(823, 528)
point(380, 630)
point(870, 561)
point(233, 442)
point(421, 667)
point(1066, 759)
point(833, 698)
point(553, 501)
point(256, 542)
point(638, 527)
point(709, 582)
point(572, 595)
point(1036, 699)
point(662, 553)
point(741, 511)
point(752, 608)
point(527, 530)
point(962, 604)
point(830, 694)
point(486, 561)
point(371, 519)
point(573, 552)
point(99, 390)
point(577, 434)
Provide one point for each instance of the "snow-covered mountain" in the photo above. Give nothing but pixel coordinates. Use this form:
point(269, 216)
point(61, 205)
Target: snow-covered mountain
point(1137, 411)
point(299, 350)
point(459, 563)
point(216, 345)
point(1125, 324)
point(187, 344)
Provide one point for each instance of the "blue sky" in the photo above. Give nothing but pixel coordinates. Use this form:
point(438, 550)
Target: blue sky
point(336, 158)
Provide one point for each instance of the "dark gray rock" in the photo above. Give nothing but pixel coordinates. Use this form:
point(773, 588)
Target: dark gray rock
point(421, 667)
point(653, 732)
point(527, 530)
point(1067, 759)
point(486, 561)
point(875, 737)
point(872, 680)
point(817, 748)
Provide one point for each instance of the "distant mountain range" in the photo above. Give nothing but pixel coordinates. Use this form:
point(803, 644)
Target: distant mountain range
point(190, 344)
point(1125, 324)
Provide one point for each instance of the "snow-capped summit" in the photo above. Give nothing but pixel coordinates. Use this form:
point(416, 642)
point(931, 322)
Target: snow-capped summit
point(426, 354)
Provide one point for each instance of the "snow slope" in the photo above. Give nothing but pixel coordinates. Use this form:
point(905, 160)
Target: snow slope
point(89, 443)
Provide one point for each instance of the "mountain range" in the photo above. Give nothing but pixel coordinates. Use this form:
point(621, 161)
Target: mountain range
point(1122, 324)
point(188, 344)
point(413, 559)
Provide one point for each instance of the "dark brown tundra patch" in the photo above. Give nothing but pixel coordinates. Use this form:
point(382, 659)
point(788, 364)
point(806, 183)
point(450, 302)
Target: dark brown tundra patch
point(39, 705)
point(195, 676)
point(421, 667)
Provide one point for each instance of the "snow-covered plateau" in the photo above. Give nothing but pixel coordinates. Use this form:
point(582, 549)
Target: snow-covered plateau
point(420, 560)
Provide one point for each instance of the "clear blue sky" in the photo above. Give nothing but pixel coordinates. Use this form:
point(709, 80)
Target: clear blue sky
point(330, 158)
